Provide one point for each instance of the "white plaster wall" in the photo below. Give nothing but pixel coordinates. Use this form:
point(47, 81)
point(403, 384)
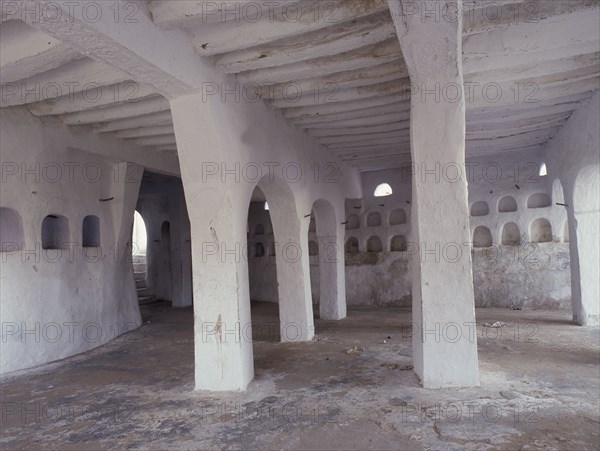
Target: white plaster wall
point(58, 303)
point(382, 279)
point(536, 276)
point(493, 178)
point(530, 275)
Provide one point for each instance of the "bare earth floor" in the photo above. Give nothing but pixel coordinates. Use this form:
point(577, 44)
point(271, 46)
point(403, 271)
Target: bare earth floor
point(540, 388)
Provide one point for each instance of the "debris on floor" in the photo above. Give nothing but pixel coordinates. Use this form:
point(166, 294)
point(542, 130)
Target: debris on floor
point(495, 324)
point(354, 350)
point(393, 366)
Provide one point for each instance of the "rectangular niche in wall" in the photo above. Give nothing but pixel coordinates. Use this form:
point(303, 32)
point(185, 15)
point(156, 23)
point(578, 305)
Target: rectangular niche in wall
point(55, 232)
point(90, 231)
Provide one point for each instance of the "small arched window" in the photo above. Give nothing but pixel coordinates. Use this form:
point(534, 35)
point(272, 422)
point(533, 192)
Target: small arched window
point(139, 238)
point(90, 231)
point(383, 190)
point(543, 170)
point(55, 232)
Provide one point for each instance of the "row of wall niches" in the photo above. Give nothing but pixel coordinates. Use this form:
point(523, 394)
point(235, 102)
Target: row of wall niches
point(373, 219)
point(540, 231)
point(508, 204)
point(55, 231)
point(374, 244)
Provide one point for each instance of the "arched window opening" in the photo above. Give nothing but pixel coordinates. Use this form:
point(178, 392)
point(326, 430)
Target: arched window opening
point(11, 230)
point(543, 170)
point(507, 204)
point(511, 236)
point(398, 244)
point(352, 246)
point(374, 244)
point(540, 231)
point(374, 219)
point(267, 206)
point(482, 237)
point(90, 231)
point(480, 209)
point(55, 232)
point(539, 200)
point(397, 217)
point(139, 237)
point(383, 190)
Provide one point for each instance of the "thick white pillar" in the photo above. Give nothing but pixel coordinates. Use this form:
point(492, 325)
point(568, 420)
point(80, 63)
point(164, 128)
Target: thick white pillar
point(222, 337)
point(292, 261)
point(444, 340)
point(584, 225)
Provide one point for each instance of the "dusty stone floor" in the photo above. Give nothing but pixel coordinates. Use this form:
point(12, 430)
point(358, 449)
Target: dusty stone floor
point(539, 390)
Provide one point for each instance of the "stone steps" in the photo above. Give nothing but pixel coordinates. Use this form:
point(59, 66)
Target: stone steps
point(140, 273)
point(140, 284)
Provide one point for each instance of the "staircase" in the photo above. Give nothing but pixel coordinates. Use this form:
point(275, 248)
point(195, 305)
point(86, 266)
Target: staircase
point(140, 272)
